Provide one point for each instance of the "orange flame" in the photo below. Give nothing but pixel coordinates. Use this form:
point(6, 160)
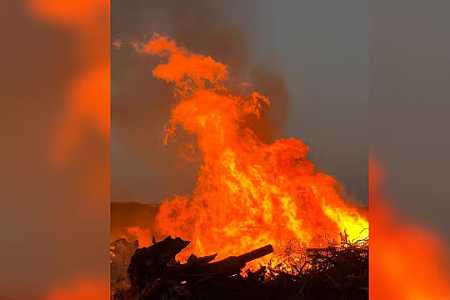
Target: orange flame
point(88, 92)
point(248, 193)
point(406, 262)
point(69, 13)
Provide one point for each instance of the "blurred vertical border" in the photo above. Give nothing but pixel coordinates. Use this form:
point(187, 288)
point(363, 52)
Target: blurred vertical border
point(409, 108)
point(54, 80)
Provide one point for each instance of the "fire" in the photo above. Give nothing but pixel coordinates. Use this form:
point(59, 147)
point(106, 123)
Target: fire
point(69, 13)
point(248, 193)
point(89, 103)
point(400, 250)
point(87, 95)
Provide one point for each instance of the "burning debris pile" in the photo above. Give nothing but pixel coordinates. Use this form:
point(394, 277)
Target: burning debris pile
point(251, 197)
point(153, 273)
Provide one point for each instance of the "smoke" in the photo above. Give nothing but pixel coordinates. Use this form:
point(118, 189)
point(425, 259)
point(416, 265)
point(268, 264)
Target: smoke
point(142, 167)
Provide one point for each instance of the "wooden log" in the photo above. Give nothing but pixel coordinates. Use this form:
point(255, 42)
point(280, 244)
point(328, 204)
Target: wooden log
point(255, 254)
point(149, 263)
point(226, 267)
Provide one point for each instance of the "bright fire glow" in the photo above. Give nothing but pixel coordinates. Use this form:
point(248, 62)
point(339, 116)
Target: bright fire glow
point(406, 262)
point(87, 96)
point(86, 289)
point(248, 193)
point(139, 234)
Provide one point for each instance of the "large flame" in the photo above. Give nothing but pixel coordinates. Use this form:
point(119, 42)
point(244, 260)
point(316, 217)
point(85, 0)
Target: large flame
point(248, 193)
